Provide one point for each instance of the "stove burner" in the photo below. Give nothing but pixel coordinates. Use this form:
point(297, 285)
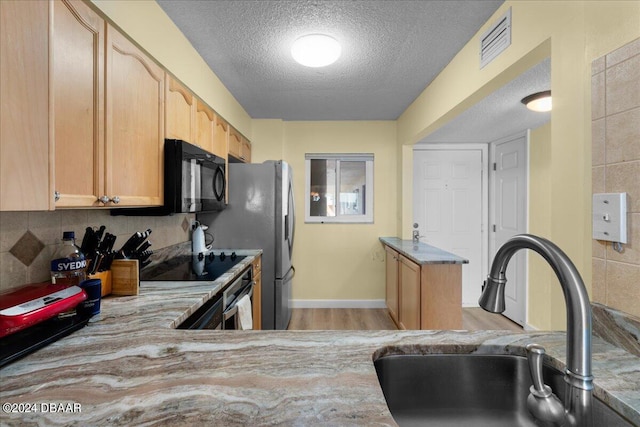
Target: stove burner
point(188, 268)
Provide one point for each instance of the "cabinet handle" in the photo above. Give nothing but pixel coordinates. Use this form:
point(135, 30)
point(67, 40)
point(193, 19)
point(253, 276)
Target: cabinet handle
point(106, 199)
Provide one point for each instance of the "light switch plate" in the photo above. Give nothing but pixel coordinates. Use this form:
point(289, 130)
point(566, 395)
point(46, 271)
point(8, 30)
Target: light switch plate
point(610, 217)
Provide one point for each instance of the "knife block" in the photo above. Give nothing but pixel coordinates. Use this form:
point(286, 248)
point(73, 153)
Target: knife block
point(125, 277)
point(105, 278)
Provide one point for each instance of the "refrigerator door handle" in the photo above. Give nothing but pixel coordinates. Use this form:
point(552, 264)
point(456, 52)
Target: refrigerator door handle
point(286, 227)
point(291, 272)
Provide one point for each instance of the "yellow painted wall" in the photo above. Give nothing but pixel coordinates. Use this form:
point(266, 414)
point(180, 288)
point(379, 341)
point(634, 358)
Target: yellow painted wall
point(342, 261)
point(146, 23)
point(268, 137)
point(573, 33)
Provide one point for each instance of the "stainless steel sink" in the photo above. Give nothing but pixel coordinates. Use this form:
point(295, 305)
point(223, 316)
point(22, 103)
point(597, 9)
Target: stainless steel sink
point(468, 390)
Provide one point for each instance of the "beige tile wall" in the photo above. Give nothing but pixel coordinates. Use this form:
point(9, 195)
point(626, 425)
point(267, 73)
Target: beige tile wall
point(616, 168)
point(47, 227)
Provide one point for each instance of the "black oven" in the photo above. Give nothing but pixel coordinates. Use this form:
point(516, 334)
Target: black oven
point(240, 287)
point(221, 311)
point(208, 316)
point(194, 181)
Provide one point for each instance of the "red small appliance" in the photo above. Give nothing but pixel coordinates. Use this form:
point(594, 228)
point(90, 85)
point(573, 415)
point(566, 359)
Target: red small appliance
point(35, 303)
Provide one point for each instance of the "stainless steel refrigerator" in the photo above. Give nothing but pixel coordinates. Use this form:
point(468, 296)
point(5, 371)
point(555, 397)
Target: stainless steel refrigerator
point(261, 215)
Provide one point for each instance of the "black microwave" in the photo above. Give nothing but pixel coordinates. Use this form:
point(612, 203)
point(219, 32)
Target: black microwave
point(194, 181)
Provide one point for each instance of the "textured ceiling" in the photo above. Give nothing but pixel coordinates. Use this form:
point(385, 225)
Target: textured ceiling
point(500, 114)
point(391, 50)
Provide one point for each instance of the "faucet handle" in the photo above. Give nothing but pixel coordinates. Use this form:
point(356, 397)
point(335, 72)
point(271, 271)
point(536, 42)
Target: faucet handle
point(535, 355)
point(542, 403)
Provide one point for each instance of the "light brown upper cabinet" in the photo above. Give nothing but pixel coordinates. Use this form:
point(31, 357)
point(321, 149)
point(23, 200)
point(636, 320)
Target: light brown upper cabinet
point(77, 111)
point(239, 146)
point(246, 150)
point(221, 136)
point(180, 111)
point(24, 97)
point(205, 125)
point(107, 111)
point(134, 126)
point(191, 120)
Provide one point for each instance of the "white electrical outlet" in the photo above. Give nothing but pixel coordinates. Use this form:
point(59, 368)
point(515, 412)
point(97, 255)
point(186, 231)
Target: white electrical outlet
point(610, 217)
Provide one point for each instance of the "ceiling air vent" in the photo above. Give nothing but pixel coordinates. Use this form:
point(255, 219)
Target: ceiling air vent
point(495, 39)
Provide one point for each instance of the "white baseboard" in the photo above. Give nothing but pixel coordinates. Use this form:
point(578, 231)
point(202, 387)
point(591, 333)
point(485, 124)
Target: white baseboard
point(338, 303)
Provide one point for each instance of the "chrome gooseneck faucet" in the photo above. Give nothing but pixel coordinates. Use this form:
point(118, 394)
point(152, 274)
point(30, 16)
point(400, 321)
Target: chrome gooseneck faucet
point(578, 397)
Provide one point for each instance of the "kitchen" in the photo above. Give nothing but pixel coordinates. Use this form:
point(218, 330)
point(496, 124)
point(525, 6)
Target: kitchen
point(362, 255)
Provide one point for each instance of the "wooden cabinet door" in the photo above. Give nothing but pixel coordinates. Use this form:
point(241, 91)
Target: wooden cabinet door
point(257, 294)
point(24, 106)
point(77, 84)
point(392, 282)
point(205, 126)
point(441, 295)
point(135, 125)
point(245, 155)
point(235, 143)
point(221, 137)
point(180, 111)
point(409, 294)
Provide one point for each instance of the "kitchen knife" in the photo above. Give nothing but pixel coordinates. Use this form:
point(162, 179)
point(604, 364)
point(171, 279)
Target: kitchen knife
point(143, 247)
point(143, 256)
point(100, 232)
point(85, 240)
point(97, 262)
point(130, 244)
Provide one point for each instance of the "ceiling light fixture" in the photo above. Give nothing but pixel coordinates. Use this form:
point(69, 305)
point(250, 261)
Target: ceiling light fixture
point(316, 50)
point(540, 101)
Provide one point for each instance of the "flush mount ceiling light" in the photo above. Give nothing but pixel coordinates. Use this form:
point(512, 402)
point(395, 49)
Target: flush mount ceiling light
point(316, 50)
point(540, 101)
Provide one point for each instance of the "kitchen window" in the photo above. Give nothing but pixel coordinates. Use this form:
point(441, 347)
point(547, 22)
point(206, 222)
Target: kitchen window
point(339, 188)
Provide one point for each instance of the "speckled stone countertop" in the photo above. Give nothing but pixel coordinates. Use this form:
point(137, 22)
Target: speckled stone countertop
point(422, 253)
point(128, 366)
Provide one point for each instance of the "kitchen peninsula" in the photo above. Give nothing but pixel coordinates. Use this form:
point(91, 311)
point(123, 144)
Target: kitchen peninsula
point(423, 285)
point(130, 367)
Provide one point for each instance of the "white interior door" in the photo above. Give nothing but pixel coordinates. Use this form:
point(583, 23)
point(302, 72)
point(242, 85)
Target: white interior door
point(509, 190)
point(448, 209)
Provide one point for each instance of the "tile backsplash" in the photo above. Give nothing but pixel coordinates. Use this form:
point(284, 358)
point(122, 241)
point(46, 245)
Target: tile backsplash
point(616, 168)
point(29, 239)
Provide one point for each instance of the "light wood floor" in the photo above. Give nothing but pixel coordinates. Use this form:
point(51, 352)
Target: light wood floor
point(473, 319)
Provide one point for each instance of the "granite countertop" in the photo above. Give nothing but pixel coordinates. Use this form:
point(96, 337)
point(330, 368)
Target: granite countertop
point(128, 366)
point(422, 253)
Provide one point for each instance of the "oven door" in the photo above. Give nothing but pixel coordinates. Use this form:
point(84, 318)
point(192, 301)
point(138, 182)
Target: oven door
point(208, 316)
point(231, 316)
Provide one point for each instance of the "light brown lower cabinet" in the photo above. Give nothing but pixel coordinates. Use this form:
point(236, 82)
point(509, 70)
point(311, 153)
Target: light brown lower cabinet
point(423, 296)
point(257, 293)
point(392, 289)
point(409, 294)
